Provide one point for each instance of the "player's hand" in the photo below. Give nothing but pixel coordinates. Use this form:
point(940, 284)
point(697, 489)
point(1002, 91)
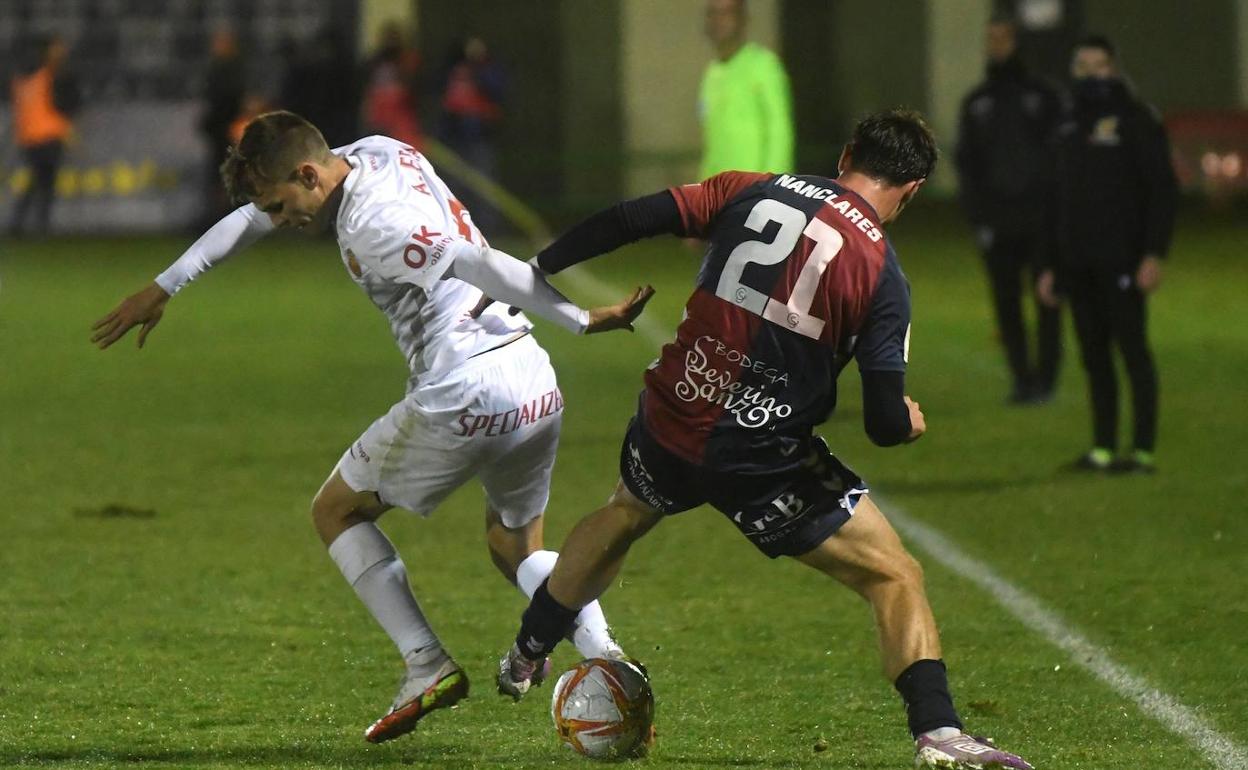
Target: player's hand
point(1046, 289)
point(144, 307)
point(1148, 276)
point(918, 425)
point(620, 316)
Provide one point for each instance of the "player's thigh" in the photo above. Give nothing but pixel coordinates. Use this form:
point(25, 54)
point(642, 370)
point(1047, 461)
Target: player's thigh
point(411, 457)
point(864, 551)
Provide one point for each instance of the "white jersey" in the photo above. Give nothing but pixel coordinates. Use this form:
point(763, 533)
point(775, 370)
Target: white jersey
point(399, 228)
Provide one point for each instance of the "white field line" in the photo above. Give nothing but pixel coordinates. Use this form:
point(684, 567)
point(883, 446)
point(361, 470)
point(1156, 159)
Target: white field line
point(1222, 751)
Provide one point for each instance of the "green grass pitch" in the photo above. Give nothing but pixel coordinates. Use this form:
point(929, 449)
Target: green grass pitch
point(164, 601)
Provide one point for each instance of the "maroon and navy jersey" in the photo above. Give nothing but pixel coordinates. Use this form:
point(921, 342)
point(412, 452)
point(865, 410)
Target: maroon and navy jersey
point(798, 278)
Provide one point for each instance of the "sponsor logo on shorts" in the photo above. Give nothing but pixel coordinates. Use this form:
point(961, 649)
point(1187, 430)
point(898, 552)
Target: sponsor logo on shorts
point(643, 482)
point(358, 453)
point(502, 423)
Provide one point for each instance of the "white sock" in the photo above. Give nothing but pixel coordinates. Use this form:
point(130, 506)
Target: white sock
point(590, 633)
point(942, 733)
point(370, 564)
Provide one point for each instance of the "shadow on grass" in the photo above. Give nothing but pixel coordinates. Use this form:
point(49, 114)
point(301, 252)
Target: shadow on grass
point(267, 756)
point(438, 756)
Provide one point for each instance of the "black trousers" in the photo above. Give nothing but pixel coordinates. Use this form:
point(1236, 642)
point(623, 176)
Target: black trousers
point(43, 160)
point(1109, 312)
point(1010, 259)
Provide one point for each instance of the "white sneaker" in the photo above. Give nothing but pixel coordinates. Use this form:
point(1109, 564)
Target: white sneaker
point(518, 674)
point(419, 694)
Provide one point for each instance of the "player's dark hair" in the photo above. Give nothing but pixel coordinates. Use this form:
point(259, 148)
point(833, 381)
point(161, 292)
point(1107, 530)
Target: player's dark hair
point(270, 150)
point(894, 146)
point(1100, 42)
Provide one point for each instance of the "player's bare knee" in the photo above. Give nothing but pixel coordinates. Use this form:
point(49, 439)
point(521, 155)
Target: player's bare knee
point(910, 571)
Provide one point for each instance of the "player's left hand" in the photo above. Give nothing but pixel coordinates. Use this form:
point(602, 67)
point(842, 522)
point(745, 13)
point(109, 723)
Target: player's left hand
point(1148, 276)
point(619, 316)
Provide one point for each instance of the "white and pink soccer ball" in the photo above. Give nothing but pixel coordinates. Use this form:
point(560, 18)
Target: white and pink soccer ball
point(604, 709)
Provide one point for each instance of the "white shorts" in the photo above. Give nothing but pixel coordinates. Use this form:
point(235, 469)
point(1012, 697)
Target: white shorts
point(496, 417)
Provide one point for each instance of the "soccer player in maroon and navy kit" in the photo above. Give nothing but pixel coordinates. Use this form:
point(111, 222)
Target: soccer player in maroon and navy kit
point(798, 278)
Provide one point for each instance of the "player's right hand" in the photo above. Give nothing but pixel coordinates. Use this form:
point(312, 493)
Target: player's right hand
point(918, 425)
point(144, 307)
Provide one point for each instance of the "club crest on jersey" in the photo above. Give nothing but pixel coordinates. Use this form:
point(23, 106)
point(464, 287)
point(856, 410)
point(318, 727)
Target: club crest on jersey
point(353, 264)
point(1105, 131)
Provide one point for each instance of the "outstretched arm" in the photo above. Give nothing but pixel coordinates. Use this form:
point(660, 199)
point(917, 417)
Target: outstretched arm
point(611, 228)
point(522, 285)
point(236, 230)
point(685, 211)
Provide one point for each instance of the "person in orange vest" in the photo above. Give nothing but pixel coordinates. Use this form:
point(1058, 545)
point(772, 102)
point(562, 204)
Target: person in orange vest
point(44, 98)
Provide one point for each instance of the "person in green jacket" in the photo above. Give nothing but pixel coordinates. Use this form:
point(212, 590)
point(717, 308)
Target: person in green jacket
point(744, 101)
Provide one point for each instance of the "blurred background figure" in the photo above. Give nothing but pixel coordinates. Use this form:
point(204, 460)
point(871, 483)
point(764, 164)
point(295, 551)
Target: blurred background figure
point(1117, 201)
point(254, 105)
point(45, 97)
point(391, 88)
point(321, 83)
point(744, 100)
point(1004, 157)
point(472, 109)
point(224, 89)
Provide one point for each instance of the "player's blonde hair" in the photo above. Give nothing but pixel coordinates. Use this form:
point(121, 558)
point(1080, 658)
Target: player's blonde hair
point(271, 149)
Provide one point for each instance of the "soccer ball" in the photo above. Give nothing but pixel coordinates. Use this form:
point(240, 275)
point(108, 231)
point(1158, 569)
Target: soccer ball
point(604, 709)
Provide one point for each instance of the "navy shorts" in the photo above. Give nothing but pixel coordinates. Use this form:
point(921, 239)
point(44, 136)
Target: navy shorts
point(787, 513)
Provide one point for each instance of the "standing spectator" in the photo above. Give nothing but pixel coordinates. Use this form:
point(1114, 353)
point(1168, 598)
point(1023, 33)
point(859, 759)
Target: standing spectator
point(322, 85)
point(1004, 158)
point(45, 97)
point(1117, 199)
point(390, 89)
point(224, 89)
point(744, 101)
point(472, 103)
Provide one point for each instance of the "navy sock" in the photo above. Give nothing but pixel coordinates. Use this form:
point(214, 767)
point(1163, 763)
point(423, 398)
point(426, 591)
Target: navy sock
point(544, 623)
point(925, 689)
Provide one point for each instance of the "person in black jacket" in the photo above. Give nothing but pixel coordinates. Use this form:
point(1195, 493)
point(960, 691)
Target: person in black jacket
point(1004, 158)
point(1116, 204)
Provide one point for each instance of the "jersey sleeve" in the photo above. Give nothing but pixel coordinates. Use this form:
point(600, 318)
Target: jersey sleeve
point(884, 343)
point(700, 203)
point(236, 230)
point(399, 243)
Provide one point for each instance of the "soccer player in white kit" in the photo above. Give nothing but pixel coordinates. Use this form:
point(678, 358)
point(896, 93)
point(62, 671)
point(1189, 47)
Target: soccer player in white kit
point(481, 401)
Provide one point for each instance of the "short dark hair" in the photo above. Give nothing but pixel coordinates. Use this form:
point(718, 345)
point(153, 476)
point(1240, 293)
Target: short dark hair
point(270, 150)
point(1098, 41)
point(894, 146)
